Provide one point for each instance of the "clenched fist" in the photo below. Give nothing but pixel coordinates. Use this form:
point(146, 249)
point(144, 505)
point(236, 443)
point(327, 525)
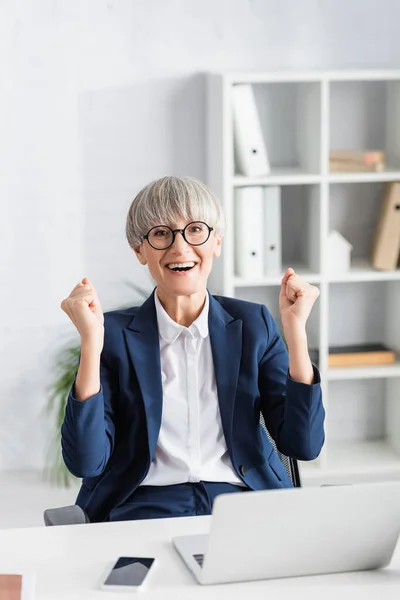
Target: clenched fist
point(84, 309)
point(296, 299)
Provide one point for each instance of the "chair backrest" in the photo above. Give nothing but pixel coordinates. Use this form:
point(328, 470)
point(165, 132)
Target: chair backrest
point(290, 464)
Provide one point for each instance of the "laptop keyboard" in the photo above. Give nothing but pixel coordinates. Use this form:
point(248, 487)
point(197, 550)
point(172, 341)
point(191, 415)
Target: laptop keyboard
point(199, 558)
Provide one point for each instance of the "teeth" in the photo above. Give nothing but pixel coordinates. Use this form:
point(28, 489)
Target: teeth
point(180, 265)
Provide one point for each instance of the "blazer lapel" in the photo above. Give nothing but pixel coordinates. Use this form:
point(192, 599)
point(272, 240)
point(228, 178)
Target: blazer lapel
point(142, 340)
point(226, 345)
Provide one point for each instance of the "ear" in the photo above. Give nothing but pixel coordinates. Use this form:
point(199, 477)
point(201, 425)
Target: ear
point(218, 245)
point(140, 254)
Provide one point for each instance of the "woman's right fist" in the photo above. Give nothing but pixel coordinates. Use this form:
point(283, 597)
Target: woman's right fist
point(84, 309)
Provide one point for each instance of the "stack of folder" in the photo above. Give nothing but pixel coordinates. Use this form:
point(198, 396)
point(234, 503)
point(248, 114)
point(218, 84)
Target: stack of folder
point(258, 237)
point(354, 161)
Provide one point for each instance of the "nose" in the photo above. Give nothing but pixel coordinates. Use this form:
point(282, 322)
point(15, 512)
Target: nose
point(180, 243)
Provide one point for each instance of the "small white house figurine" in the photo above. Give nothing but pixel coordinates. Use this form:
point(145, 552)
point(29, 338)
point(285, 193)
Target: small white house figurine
point(339, 251)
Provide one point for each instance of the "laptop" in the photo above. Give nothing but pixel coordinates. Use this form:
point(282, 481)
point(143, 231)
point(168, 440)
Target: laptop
point(292, 532)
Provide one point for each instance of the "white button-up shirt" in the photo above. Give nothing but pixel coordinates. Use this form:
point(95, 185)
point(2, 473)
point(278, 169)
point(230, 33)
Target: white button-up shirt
point(191, 445)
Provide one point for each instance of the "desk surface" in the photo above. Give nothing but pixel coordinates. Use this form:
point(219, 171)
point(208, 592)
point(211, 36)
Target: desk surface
point(70, 561)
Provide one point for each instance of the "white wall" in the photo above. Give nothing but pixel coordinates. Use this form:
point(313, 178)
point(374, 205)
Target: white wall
point(98, 97)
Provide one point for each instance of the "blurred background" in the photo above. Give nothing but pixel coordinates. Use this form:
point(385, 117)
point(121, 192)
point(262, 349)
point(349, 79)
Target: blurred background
point(97, 98)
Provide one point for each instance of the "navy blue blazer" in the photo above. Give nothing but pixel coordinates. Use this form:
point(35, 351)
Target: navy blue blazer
point(110, 439)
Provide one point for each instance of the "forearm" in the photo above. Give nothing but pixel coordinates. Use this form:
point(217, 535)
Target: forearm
point(86, 436)
point(300, 367)
point(301, 431)
point(87, 433)
point(87, 382)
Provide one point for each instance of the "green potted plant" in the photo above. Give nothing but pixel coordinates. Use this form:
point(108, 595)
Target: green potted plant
point(66, 365)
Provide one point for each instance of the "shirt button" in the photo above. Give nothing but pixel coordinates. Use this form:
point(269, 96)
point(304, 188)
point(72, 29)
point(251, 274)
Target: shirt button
point(242, 470)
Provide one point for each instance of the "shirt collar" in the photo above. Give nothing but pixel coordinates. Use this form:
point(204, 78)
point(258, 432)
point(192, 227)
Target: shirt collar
point(169, 330)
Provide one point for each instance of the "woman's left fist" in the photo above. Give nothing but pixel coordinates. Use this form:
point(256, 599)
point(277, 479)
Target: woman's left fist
point(296, 299)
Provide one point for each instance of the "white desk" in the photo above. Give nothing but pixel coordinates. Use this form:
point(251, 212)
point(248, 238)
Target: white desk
point(70, 561)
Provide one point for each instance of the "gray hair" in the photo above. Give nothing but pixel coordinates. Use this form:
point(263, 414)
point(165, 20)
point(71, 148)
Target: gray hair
point(164, 201)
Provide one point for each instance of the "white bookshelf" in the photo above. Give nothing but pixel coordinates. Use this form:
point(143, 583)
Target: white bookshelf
point(303, 116)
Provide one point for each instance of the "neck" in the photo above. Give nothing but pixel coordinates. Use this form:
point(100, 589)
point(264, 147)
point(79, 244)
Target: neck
point(184, 310)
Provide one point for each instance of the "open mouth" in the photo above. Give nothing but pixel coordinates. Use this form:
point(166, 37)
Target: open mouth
point(181, 267)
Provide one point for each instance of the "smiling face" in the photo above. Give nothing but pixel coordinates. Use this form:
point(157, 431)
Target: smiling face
point(181, 269)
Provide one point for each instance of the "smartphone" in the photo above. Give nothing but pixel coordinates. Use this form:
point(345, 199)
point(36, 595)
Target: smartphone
point(129, 573)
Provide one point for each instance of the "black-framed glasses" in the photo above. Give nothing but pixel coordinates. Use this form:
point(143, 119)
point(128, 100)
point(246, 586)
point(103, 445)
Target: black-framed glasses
point(162, 237)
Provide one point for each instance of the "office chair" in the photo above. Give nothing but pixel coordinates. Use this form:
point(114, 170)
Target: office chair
point(65, 515)
point(75, 515)
point(290, 464)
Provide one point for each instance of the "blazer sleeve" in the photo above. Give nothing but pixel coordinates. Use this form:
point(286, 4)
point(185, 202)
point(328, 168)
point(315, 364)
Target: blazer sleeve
point(293, 412)
point(88, 430)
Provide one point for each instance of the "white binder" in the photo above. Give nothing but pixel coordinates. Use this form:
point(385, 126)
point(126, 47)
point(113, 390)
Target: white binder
point(272, 230)
point(249, 239)
point(250, 152)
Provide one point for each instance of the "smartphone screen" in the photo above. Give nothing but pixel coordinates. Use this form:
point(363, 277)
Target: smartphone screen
point(129, 571)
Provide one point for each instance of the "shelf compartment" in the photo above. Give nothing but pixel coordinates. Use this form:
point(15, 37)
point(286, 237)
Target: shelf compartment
point(300, 233)
point(364, 116)
point(301, 210)
point(293, 107)
point(354, 212)
point(364, 313)
point(357, 410)
point(363, 424)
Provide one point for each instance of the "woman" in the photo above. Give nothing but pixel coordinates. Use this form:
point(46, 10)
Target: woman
point(164, 413)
